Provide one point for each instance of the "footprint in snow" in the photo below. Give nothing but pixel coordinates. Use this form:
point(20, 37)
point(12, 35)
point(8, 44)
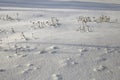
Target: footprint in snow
point(2, 70)
point(42, 52)
point(45, 51)
point(23, 55)
point(48, 50)
point(67, 62)
point(83, 50)
point(98, 48)
point(25, 71)
point(36, 68)
point(16, 54)
point(108, 50)
point(118, 51)
point(53, 52)
point(52, 48)
point(20, 55)
point(99, 68)
point(100, 59)
point(57, 77)
point(29, 65)
point(29, 68)
point(18, 65)
point(9, 57)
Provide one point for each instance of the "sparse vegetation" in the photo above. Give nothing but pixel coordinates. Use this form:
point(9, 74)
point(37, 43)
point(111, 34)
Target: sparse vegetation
point(84, 20)
point(12, 30)
point(8, 17)
point(53, 22)
point(23, 36)
point(83, 24)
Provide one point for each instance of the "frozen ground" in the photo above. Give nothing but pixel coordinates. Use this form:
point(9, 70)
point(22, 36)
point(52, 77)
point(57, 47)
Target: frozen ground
point(49, 44)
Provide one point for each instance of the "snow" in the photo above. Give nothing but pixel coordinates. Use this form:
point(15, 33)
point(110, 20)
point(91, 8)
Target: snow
point(51, 43)
point(102, 1)
point(59, 4)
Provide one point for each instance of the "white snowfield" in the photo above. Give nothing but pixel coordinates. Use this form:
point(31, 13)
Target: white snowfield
point(71, 43)
point(102, 1)
point(63, 4)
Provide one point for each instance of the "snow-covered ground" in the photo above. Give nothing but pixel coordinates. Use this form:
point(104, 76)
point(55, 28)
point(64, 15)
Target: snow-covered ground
point(57, 44)
point(64, 4)
point(101, 1)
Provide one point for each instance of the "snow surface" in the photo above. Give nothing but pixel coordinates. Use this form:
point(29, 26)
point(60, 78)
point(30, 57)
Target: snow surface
point(62, 4)
point(63, 52)
point(102, 1)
